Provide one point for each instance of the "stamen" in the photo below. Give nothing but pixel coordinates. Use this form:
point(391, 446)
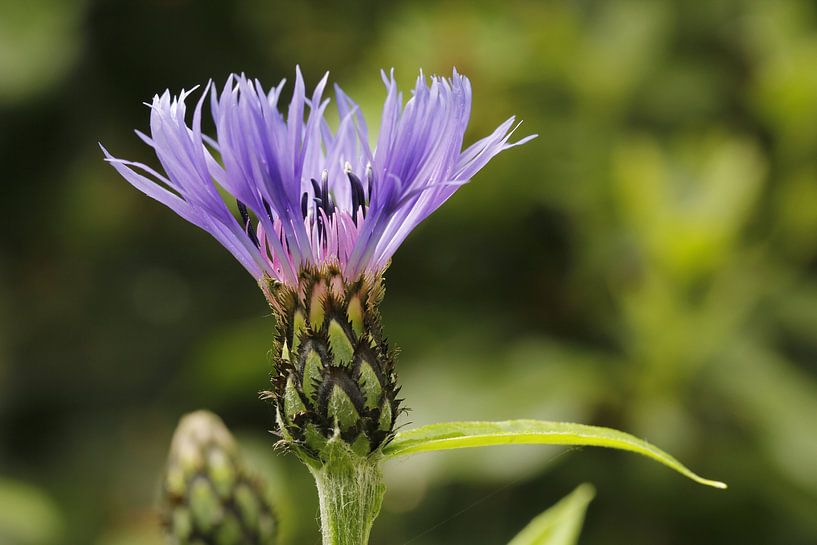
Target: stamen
point(268, 210)
point(358, 198)
point(316, 189)
point(245, 218)
point(328, 204)
point(369, 176)
point(319, 201)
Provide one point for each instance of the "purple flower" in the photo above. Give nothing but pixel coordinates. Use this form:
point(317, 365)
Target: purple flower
point(305, 195)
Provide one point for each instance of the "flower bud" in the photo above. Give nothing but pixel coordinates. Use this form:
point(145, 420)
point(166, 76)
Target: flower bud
point(208, 497)
point(334, 373)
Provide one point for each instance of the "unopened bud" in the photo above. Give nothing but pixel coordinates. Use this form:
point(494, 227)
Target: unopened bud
point(209, 499)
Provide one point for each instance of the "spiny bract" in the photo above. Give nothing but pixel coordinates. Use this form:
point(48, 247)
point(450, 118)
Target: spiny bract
point(334, 371)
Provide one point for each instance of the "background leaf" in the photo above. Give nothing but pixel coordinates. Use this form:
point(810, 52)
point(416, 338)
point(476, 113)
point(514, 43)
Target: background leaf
point(27, 515)
point(561, 524)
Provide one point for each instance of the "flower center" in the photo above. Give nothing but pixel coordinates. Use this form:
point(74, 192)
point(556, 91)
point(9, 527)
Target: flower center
point(320, 210)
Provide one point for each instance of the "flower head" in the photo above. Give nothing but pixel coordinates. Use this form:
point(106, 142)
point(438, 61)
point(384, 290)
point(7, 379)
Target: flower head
point(307, 196)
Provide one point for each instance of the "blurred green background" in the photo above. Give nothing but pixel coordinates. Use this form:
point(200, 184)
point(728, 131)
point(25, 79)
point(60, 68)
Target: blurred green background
point(649, 263)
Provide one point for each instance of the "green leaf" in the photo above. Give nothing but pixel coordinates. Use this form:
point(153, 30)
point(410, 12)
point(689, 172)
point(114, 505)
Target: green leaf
point(559, 525)
point(453, 435)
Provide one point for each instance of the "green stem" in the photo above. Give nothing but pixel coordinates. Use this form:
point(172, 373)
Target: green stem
point(350, 490)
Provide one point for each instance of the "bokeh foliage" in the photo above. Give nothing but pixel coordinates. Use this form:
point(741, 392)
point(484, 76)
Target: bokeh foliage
point(647, 263)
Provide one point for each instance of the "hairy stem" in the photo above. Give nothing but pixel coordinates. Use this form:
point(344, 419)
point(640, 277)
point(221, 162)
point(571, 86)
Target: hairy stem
point(350, 490)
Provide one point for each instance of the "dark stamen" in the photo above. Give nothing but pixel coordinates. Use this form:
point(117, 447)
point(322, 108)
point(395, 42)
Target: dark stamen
point(319, 204)
point(304, 204)
point(316, 189)
point(358, 198)
point(268, 209)
point(245, 218)
point(369, 176)
point(329, 204)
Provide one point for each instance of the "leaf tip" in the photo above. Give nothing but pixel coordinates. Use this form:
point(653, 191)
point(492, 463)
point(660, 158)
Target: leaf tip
point(708, 482)
point(586, 491)
point(717, 484)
